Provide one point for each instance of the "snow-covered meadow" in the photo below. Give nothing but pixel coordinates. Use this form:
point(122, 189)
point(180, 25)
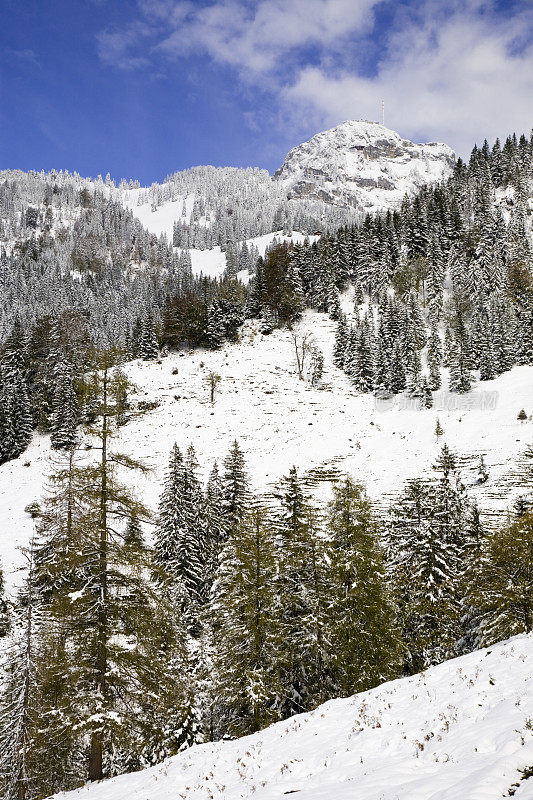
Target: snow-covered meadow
point(280, 420)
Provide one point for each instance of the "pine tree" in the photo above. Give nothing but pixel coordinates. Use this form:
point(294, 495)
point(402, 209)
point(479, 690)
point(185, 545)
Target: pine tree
point(235, 487)
point(215, 332)
point(504, 587)
point(361, 369)
point(482, 471)
point(115, 658)
point(474, 558)
point(316, 366)
point(426, 398)
point(178, 537)
point(460, 374)
point(397, 379)
point(216, 528)
point(4, 607)
point(434, 359)
point(148, 345)
point(341, 340)
point(301, 598)
point(426, 542)
point(19, 699)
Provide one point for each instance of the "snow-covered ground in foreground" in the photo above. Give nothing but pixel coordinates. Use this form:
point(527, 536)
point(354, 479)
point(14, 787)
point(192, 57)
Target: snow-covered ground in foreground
point(280, 421)
point(459, 731)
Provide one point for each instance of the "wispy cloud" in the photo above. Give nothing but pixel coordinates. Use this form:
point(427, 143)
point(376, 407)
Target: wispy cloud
point(447, 70)
point(256, 37)
point(122, 47)
point(26, 56)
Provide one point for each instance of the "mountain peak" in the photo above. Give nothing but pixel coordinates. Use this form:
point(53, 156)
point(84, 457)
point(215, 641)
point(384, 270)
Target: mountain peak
point(362, 164)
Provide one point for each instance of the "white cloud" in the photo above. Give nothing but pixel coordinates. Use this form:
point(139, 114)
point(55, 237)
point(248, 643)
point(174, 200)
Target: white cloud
point(456, 77)
point(255, 37)
point(451, 70)
point(120, 47)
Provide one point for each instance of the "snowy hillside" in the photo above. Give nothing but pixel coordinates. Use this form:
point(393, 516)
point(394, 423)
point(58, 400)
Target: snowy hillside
point(363, 165)
point(280, 421)
point(355, 167)
point(459, 731)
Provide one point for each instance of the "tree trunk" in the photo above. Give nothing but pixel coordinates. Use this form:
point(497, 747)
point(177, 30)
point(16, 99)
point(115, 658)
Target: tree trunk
point(97, 738)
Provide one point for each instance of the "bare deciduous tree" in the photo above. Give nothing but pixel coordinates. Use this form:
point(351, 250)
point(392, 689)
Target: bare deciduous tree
point(213, 379)
point(303, 346)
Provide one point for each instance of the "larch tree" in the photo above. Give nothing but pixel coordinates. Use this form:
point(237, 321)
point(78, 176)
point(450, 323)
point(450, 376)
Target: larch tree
point(364, 636)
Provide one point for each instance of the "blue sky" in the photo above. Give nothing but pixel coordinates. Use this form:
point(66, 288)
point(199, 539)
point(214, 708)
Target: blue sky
point(141, 88)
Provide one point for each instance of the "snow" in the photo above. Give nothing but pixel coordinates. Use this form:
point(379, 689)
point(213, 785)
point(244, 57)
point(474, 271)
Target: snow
point(363, 164)
point(459, 731)
point(280, 421)
point(212, 263)
point(161, 220)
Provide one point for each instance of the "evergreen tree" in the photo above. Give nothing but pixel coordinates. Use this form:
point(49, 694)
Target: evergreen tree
point(216, 527)
point(179, 533)
point(504, 585)
point(426, 399)
point(301, 593)
point(235, 487)
point(341, 340)
point(148, 344)
point(246, 628)
point(64, 413)
point(19, 770)
point(117, 642)
point(4, 607)
point(363, 635)
point(426, 542)
point(434, 359)
point(215, 330)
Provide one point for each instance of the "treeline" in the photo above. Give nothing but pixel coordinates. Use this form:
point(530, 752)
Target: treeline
point(240, 612)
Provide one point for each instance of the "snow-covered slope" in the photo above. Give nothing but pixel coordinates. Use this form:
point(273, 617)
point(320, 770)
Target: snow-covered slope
point(358, 166)
point(280, 421)
point(364, 165)
point(459, 731)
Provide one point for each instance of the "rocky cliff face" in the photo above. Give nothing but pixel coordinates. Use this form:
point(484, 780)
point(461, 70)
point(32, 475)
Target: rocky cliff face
point(362, 165)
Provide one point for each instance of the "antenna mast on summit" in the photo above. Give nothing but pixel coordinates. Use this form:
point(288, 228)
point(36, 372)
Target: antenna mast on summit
point(383, 113)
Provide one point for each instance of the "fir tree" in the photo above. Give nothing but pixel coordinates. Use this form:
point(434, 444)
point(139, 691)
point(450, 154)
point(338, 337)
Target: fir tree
point(301, 592)
point(148, 344)
point(235, 488)
point(434, 359)
point(504, 587)
point(215, 330)
point(4, 607)
point(426, 399)
point(179, 534)
point(64, 414)
point(19, 768)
